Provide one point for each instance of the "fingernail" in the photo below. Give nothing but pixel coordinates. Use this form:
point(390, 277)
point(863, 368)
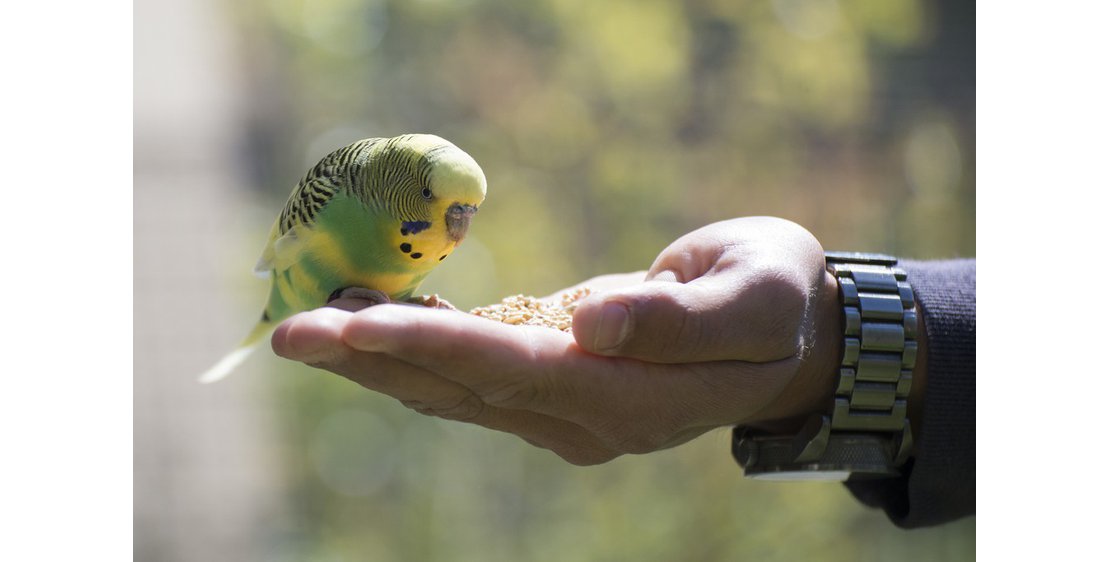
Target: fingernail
point(613, 326)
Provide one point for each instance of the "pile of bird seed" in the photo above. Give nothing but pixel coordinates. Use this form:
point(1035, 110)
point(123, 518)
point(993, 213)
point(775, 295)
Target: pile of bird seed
point(530, 311)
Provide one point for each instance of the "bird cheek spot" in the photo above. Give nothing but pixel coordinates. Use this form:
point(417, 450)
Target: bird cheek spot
point(441, 258)
point(416, 256)
point(406, 247)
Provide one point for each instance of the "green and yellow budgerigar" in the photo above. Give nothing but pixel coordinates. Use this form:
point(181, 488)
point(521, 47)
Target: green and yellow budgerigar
point(378, 214)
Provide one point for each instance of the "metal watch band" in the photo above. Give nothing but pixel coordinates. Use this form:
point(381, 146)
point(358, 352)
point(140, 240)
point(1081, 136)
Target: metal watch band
point(867, 433)
point(880, 347)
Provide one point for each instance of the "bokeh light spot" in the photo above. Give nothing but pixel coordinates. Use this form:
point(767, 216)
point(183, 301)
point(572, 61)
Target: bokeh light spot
point(932, 159)
point(808, 19)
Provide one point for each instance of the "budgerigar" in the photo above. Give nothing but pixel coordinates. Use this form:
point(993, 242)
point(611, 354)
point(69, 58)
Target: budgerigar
point(378, 214)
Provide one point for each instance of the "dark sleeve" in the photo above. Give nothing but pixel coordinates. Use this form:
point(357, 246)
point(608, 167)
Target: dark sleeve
point(938, 485)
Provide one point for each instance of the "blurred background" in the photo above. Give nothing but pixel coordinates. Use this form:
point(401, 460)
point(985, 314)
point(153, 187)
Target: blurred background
point(606, 130)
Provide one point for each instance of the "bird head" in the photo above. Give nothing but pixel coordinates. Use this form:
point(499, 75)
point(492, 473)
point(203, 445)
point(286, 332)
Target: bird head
point(455, 189)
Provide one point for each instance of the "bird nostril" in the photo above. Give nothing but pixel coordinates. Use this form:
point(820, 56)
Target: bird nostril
point(461, 210)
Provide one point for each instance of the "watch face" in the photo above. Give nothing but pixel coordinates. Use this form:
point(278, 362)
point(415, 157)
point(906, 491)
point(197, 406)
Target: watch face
point(804, 475)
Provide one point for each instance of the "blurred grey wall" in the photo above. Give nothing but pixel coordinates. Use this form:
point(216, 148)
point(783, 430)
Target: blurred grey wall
point(202, 484)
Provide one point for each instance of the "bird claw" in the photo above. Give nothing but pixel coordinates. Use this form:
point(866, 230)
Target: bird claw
point(378, 297)
point(433, 301)
point(374, 296)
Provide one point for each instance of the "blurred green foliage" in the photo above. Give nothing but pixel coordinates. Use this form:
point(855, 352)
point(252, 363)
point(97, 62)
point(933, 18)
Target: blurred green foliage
point(606, 130)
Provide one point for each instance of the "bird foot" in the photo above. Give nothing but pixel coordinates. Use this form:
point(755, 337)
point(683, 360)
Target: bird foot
point(377, 297)
point(432, 301)
point(374, 296)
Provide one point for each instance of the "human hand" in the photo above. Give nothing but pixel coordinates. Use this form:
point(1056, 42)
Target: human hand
point(736, 322)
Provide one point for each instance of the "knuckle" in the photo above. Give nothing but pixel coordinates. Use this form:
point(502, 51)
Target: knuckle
point(639, 444)
point(785, 289)
point(585, 457)
point(514, 393)
point(782, 318)
point(690, 336)
point(329, 358)
point(528, 382)
point(634, 440)
point(463, 409)
point(669, 327)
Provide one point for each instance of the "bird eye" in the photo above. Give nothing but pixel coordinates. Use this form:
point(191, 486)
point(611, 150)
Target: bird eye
point(427, 193)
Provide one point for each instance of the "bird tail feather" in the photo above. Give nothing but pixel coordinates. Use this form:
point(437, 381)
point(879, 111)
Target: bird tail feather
point(232, 360)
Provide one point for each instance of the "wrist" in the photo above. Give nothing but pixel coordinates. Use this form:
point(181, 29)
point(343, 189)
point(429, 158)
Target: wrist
point(811, 389)
point(866, 431)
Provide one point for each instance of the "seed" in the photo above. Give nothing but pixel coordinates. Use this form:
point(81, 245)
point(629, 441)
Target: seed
point(530, 311)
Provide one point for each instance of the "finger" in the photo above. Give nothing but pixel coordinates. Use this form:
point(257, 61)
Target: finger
point(311, 337)
point(700, 305)
point(708, 320)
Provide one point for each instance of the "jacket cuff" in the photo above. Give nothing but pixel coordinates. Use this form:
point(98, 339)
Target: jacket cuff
point(938, 485)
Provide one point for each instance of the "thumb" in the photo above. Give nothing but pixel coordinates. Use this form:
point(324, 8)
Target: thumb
point(711, 318)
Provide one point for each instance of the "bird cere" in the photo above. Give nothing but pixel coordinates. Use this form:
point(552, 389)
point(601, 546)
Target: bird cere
point(530, 311)
point(371, 219)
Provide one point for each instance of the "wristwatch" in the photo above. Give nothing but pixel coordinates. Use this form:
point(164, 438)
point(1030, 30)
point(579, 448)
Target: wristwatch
point(865, 432)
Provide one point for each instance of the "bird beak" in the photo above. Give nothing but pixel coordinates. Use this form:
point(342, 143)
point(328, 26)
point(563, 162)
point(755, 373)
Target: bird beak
point(458, 220)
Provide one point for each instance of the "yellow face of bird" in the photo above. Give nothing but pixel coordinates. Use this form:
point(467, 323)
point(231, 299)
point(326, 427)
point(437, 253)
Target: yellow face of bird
point(455, 189)
point(436, 206)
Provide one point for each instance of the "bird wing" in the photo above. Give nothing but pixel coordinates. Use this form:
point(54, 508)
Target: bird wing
point(282, 250)
point(293, 227)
